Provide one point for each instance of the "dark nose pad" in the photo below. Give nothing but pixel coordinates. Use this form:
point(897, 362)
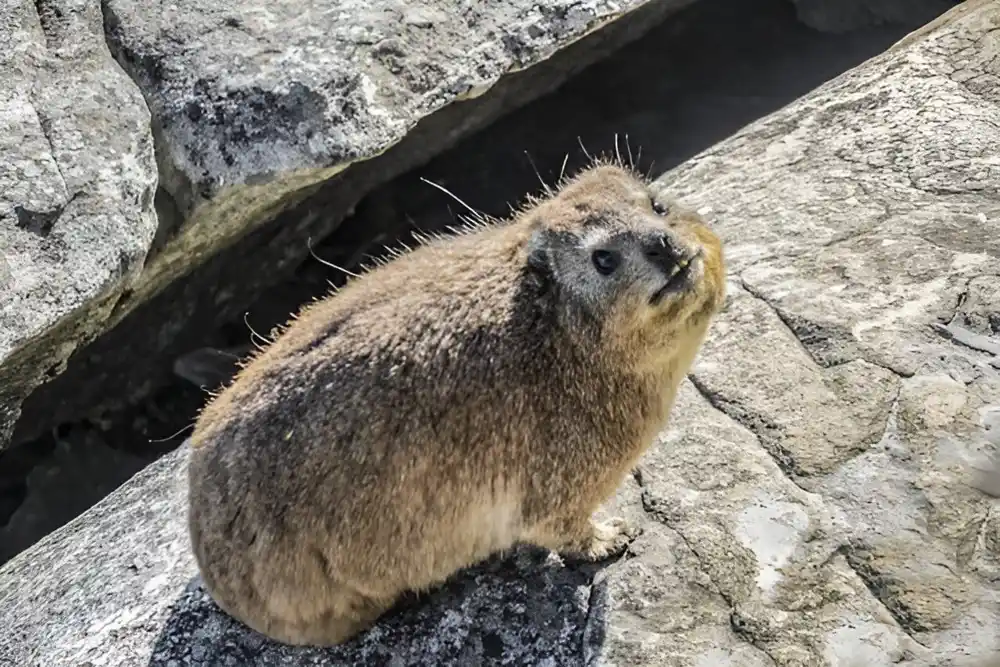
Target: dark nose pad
point(660, 253)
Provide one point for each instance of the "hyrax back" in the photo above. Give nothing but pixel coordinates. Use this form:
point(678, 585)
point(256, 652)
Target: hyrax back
point(482, 390)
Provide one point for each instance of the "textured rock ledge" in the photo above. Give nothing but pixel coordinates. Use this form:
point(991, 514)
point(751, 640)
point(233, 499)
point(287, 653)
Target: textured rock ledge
point(809, 504)
point(254, 103)
point(77, 177)
point(861, 221)
point(272, 118)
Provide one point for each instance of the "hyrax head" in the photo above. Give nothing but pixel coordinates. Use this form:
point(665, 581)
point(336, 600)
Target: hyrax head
point(624, 256)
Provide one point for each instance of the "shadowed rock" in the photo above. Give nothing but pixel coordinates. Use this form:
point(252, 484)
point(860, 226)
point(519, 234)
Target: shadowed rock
point(77, 177)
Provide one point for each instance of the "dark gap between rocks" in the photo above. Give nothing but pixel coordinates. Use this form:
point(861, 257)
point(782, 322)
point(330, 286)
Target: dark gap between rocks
point(690, 82)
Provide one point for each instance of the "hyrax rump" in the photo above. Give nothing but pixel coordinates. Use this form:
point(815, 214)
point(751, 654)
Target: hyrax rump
point(485, 389)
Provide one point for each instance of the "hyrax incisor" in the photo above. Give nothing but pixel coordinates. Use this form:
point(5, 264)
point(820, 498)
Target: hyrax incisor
point(482, 390)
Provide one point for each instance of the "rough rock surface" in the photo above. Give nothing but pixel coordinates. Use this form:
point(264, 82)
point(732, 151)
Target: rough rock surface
point(253, 102)
point(272, 120)
point(809, 505)
point(77, 176)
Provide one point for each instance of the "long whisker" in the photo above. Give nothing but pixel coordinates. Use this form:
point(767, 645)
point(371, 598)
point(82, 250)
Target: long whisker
point(478, 215)
point(326, 262)
point(254, 333)
point(562, 169)
point(171, 437)
point(545, 185)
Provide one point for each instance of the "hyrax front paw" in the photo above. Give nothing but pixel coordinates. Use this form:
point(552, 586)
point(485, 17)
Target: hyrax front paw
point(608, 540)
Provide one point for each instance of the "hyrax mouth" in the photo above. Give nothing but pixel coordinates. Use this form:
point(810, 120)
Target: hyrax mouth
point(679, 278)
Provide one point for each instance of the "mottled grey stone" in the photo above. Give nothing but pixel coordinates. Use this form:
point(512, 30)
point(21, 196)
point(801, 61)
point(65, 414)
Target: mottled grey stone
point(76, 189)
point(862, 222)
point(254, 101)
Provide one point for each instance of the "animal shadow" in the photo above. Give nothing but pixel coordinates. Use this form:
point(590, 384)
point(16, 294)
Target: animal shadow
point(526, 609)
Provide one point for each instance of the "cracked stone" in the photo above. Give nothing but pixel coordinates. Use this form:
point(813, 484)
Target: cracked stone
point(767, 545)
point(810, 418)
point(76, 186)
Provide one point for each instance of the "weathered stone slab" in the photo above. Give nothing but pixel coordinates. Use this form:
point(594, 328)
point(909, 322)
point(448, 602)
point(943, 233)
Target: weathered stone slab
point(273, 120)
point(810, 504)
point(77, 177)
point(860, 220)
point(253, 102)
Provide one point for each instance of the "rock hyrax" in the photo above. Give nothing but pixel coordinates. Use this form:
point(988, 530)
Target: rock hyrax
point(482, 390)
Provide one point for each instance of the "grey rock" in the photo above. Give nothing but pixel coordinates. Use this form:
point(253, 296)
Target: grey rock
point(810, 504)
point(857, 228)
point(273, 120)
point(208, 367)
point(77, 177)
point(253, 102)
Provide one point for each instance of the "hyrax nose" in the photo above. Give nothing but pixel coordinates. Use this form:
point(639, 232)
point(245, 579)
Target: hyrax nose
point(661, 253)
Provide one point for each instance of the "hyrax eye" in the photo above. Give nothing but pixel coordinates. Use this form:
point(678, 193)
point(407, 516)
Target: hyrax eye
point(659, 208)
point(605, 261)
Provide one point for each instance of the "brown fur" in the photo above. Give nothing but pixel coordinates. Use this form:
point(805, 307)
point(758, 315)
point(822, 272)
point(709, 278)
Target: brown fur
point(482, 390)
